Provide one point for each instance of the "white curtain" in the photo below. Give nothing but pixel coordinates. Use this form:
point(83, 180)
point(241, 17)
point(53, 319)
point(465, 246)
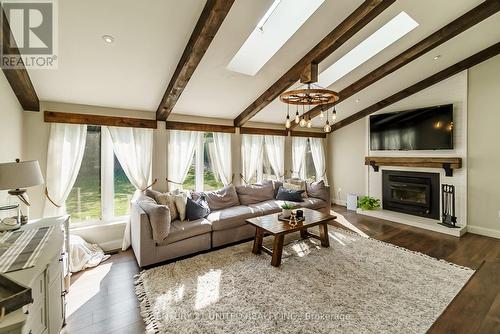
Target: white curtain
point(133, 148)
point(299, 146)
point(318, 156)
point(251, 154)
point(64, 158)
point(222, 157)
point(181, 147)
point(275, 147)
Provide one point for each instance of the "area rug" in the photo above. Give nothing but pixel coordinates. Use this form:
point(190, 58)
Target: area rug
point(358, 285)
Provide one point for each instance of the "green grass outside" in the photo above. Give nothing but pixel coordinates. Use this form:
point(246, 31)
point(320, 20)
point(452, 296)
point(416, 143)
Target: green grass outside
point(90, 197)
point(210, 183)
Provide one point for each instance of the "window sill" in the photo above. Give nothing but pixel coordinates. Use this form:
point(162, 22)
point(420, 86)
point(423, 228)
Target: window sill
point(99, 223)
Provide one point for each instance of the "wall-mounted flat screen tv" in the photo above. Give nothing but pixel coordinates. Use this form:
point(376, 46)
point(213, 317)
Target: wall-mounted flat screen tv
point(418, 129)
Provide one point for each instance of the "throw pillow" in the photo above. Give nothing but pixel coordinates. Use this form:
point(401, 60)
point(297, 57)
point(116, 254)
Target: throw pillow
point(317, 190)
point(289, 195)
point(168, 199)
point(255, 193)
point(219, 199)
point(159, 218)
point(196, 209)
point(296, 185)
point(151, 193)
point(180, 199)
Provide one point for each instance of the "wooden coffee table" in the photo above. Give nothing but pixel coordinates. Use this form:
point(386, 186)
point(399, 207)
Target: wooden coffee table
point(270, 224)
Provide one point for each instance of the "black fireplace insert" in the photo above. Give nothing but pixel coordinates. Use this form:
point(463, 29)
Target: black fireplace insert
point(413, 193)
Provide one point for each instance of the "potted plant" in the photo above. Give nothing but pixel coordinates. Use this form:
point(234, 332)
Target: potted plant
point(368, 203)
point(286, 210)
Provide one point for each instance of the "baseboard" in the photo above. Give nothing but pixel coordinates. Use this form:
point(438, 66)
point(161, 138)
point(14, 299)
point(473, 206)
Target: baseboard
point(340, 202)
point(488, 232)
point(111, 246)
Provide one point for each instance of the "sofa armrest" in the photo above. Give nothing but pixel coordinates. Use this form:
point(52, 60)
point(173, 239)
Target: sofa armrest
point(141, 235)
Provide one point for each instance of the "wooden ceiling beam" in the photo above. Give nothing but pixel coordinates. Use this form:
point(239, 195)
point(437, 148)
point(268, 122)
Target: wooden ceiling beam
point(421, 85)
point(186, 126)
point(464, 22)
point(308, 134)
point(73, 118)
point(263, 131)
point(208, 24)
point(18, 78)
point(338, 36)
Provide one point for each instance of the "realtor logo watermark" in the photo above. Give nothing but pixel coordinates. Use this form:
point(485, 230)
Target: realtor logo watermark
point(33, 38)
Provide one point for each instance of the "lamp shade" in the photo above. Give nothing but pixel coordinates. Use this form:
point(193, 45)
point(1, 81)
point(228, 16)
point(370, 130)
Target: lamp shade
point(19, 175)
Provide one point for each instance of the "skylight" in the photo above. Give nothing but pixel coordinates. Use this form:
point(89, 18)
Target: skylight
point(280, 22)
point(393, 30)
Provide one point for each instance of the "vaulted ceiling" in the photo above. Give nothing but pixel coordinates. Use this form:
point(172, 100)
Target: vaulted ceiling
point(150, 37)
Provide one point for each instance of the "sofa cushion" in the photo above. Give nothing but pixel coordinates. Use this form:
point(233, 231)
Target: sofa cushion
point(232, 217)
point(158, 215)
point(289, 195)
point(219, 199)
point(255, 193)
point(317, 190)
point(268, 207)
point(313, 203)
point(184, 230)
point(151, 193)
point(197, 209)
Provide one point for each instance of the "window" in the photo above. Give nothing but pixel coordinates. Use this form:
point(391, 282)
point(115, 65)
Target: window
point(264, 170)
point(102, 191)
point(260, 169)
point(275, 28)
point(308, 164)
point(84, 201)
point(123, 190)
point(393, 30)
point(307, 169)
point(202, 175)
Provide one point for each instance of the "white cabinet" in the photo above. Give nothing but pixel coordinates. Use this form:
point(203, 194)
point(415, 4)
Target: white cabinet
point(46, 280)
point(55, 300)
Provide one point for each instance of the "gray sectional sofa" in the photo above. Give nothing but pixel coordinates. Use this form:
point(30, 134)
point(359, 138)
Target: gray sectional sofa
point(220, 227)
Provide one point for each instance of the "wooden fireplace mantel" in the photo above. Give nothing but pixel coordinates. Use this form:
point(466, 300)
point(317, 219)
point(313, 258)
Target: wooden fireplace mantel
point(448, 164)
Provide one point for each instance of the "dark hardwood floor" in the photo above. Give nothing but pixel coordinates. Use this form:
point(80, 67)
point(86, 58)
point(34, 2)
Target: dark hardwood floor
point(102, 299)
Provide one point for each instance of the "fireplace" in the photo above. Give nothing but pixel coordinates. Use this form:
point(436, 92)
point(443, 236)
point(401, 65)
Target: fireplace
point(413, 193)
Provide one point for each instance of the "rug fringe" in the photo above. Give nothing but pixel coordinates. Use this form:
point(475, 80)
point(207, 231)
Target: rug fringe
point(407, 250)
point(146, 309)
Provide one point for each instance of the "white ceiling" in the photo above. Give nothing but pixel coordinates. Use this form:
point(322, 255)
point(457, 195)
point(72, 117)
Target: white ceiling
point(134, 71)
point(131, 73)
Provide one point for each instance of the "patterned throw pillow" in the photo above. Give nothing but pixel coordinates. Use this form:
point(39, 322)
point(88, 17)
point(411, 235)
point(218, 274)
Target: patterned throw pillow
point(168, 199)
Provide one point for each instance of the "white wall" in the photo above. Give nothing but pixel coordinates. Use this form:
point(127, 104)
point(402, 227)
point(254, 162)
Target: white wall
point(350, 145)
point(484, 148)
point(347, 151)
point(11, 129)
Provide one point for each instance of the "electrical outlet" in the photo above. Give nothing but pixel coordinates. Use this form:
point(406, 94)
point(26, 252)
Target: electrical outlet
point(498, 213)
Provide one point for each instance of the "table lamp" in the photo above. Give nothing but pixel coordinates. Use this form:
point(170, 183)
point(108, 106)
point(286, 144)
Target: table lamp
point(17, 176)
